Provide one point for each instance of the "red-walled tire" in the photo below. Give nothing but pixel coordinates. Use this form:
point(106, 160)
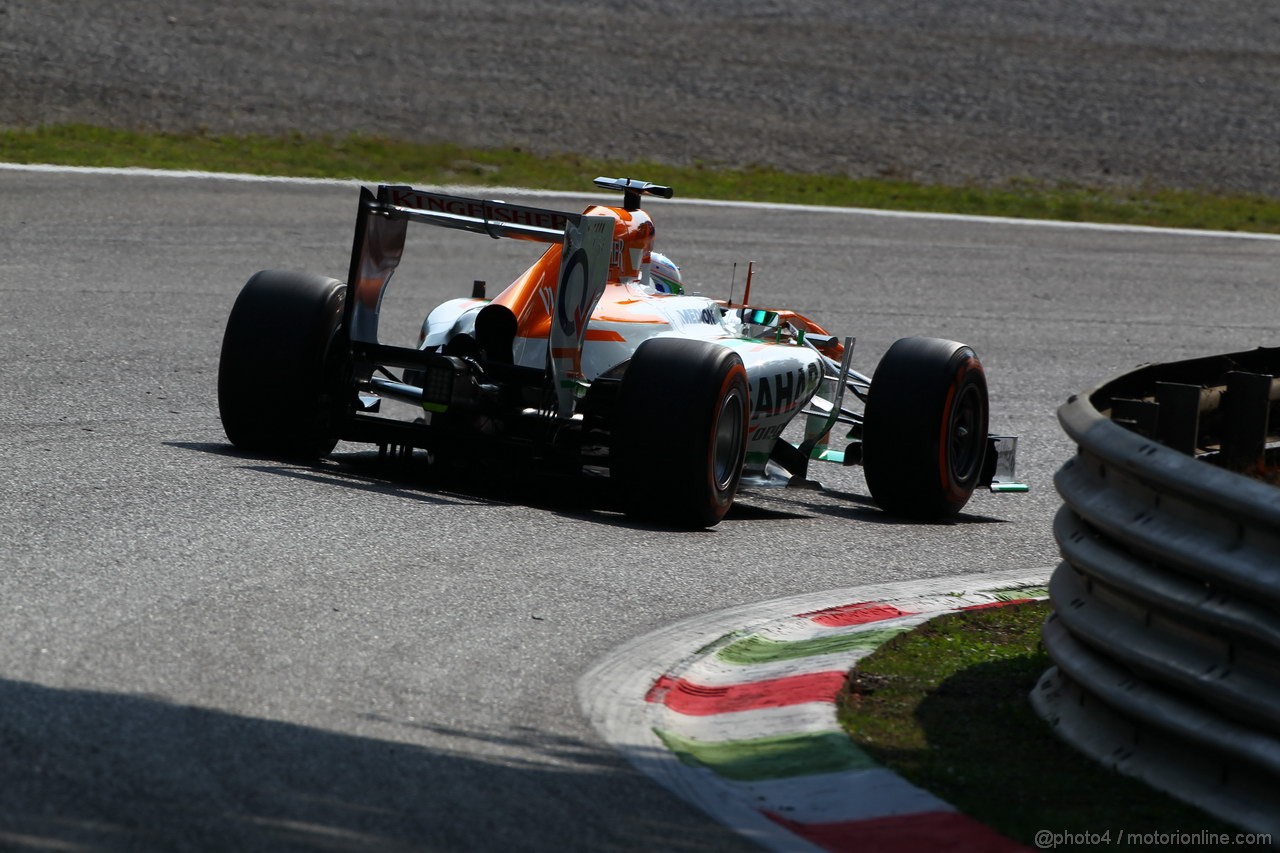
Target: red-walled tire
point(925, 431)
point(279, 389)
point(680, 434)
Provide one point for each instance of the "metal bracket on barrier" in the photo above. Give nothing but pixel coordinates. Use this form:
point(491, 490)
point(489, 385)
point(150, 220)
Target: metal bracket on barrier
point(1178, 425)
point(1247, 406)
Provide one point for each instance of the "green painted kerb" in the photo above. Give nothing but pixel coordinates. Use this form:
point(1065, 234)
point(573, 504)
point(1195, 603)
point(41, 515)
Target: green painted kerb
point(757, 649)
point(770, 757)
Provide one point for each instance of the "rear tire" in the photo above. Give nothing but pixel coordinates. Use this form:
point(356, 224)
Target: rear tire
point(280, 390)
point(925, 430)
point(680, 434)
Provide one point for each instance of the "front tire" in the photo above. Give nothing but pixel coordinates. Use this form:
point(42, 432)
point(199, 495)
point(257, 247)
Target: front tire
point(925, 430)
point(279, 380)
point(680, 435)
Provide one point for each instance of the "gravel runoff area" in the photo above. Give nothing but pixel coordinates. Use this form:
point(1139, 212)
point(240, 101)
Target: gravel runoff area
point(1147, 92)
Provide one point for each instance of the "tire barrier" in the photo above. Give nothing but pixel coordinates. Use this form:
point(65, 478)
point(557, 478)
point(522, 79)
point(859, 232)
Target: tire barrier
point(1165, 633)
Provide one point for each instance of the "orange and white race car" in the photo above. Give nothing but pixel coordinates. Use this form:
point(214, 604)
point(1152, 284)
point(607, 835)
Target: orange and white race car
point(595, 362)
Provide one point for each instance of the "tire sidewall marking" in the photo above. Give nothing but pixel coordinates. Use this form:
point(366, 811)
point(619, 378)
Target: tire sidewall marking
point(953, 491)
point(721, 497)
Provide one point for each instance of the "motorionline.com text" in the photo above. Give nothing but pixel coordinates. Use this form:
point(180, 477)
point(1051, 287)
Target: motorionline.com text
point(1048, 839)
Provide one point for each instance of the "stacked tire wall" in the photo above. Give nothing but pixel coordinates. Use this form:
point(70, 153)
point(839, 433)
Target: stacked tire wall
point(1165, 633)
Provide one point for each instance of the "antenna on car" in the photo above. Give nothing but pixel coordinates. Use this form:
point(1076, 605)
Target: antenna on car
point(633, 189)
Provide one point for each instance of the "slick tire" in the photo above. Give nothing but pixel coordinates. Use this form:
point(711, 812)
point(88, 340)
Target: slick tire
point(280, 391)
point(680, 434)
point(925, 430)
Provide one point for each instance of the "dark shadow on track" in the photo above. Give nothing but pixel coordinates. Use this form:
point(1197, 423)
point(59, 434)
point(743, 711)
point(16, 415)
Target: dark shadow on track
point(364, 472)
point(413, 478)
point(811, 501)
point(586, 501)
point(874, 515)
point(102, 771)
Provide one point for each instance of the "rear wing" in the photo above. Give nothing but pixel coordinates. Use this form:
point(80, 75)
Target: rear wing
point(495, 218)
point(586, 241)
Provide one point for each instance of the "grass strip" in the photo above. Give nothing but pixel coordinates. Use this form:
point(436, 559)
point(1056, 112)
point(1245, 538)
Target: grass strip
point(946, 706)
point(373, 158)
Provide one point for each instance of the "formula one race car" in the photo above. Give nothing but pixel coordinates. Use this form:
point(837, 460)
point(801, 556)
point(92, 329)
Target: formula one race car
point(594, 362)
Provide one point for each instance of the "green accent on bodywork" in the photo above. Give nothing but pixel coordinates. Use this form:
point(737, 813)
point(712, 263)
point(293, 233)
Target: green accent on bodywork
point(439, 408)
point(1009, 488)
point(775, 757)
point(825, 454)
point(757, 649)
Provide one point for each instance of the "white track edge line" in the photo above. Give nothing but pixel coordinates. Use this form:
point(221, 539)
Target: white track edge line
point(780, 207)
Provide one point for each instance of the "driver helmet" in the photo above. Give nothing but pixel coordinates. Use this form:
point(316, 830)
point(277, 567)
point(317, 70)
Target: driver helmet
point(664, 274)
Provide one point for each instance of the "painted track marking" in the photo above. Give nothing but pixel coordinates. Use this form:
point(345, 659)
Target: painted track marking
point(735, 712)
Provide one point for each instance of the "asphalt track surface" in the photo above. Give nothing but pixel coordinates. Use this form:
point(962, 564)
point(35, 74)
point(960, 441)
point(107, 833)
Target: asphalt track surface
point(208, 650)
